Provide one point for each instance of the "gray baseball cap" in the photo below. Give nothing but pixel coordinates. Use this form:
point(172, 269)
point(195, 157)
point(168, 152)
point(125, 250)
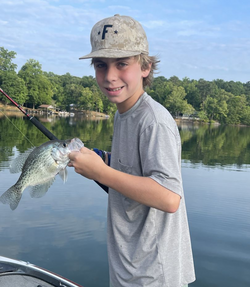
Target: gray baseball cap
point(117, 37)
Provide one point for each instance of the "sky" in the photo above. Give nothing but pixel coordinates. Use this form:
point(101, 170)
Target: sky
point(208, 39)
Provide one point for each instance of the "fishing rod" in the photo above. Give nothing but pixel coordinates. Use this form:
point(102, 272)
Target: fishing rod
point(34, 121)
point(41, 127)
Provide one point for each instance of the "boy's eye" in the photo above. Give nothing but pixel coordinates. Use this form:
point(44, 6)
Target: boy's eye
point(122, 64)
point(99, 65)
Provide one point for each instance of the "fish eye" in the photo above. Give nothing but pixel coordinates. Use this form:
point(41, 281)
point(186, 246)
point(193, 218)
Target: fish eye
point(64, 145)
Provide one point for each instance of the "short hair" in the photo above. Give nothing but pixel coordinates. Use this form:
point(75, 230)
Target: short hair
point(145, 61)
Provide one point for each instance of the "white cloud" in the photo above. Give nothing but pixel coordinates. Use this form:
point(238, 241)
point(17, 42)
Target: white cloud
point(189, 37)
point(3, 22)
point(154, 24)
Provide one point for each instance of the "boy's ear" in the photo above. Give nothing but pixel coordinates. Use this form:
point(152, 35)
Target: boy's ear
point(146, 72)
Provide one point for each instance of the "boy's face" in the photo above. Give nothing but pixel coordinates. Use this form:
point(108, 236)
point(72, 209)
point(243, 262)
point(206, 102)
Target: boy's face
point(120, 80)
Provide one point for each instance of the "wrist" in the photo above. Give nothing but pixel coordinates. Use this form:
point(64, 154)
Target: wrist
point(101, 174)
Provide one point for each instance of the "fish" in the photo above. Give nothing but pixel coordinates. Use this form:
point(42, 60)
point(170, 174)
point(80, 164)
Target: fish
point(38, 167)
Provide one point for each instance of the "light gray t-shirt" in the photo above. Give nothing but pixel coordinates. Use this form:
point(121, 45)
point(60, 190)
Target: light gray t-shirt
point(146, 246)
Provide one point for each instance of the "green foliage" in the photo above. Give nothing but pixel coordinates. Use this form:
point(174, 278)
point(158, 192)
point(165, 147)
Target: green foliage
point(192, 93)
point(218, 100)
point(15, 86)
point(39, 87)
point(6, 60)
point(57, 89)
point(215, 106)
point(176, 102)
point(238, 110)
point(236, 88)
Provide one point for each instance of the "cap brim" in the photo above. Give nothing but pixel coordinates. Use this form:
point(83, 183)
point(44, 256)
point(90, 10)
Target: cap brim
point(107, 53)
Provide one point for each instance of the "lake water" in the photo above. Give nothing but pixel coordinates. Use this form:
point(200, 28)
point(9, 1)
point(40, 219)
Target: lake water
point(65, 231)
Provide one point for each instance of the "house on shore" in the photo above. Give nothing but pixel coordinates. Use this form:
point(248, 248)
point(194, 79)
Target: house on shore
point(48, 109)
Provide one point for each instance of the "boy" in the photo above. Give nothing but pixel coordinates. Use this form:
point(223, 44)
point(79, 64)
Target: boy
point(148, 235)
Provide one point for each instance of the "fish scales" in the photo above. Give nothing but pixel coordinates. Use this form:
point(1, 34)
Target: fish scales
point(39, 166)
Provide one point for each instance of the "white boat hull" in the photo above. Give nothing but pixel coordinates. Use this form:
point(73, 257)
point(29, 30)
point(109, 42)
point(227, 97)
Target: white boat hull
point(17, 273)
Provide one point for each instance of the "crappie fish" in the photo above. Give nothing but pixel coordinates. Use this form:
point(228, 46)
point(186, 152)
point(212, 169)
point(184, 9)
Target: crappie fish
point(39, 166)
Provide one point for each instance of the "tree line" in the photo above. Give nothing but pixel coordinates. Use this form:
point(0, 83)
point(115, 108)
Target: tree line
point(226, 102)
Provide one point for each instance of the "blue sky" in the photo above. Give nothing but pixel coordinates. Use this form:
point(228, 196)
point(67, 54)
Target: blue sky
point(207, 39)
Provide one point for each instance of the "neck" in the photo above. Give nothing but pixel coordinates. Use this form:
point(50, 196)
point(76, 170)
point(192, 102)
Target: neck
point(129, 103)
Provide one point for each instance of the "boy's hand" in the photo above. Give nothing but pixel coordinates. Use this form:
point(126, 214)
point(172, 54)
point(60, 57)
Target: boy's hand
point(87, 163)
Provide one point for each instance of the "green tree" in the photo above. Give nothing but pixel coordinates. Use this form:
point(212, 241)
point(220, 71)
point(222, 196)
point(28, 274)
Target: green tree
point(175, 80)
point(235, 88)
point(247, 92)
point(79, 96)
point(215, 106)
point(86, 99)
point(14, 86)
point(88, 81)
point(237, 109)
point(158, 89)
point(57, 89)
point(245, 118)
point(6, 58)
point(69, 79)
point(97, 98)
point(9, 81)
point(175, 101)
point(205, 89)
point(38, 86)
point(192, 93)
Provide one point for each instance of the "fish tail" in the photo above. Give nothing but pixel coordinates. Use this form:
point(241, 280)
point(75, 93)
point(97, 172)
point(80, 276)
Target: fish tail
point(12, 197)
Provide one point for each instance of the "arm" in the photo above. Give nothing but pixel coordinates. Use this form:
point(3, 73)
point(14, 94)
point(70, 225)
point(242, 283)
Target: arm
point(141, 189)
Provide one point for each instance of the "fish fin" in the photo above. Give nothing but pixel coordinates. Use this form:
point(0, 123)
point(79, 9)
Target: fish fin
point(12, 197)
point(40, 190)
point(63, 174)
point(18, 163)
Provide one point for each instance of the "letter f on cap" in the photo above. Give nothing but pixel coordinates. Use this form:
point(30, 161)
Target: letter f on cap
point(104, 31)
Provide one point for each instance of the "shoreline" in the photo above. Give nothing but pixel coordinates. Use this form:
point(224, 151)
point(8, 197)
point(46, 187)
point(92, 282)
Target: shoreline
point(13, 111)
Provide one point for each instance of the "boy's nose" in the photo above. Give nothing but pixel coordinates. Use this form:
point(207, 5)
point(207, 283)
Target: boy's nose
point(111, 74)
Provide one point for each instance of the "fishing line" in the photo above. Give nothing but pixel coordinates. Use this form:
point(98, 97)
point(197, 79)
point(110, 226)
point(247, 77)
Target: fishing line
point(17, 128)
point(42, 128)
point(34, 121)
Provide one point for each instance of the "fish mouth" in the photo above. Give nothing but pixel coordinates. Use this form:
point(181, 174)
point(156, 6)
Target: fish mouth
point(60, 152)
point(75, 144)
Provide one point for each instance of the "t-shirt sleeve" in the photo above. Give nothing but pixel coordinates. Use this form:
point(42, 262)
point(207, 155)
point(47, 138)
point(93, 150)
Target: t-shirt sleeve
point(160, 152)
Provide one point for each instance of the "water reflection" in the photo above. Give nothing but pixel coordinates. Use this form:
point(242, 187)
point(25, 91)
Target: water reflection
point(208, 144)
point(90, 132)
point(216, 145)
point(65, 231)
